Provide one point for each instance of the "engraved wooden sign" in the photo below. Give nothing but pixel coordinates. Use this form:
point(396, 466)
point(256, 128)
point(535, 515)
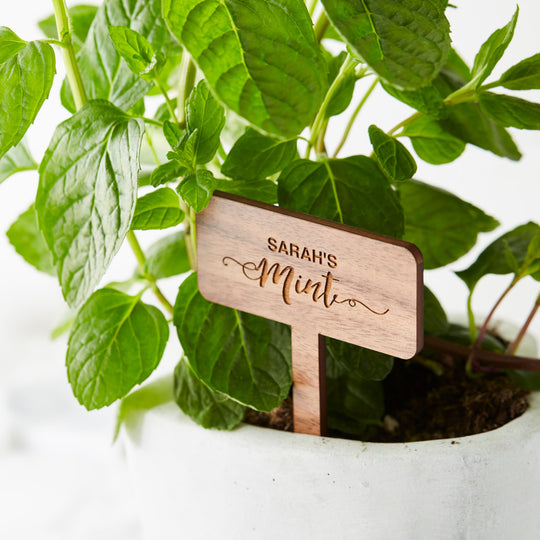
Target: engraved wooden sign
point(320, 277)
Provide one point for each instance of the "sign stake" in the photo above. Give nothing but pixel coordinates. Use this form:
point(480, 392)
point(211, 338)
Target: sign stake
point(321, 278)
point(309, 381)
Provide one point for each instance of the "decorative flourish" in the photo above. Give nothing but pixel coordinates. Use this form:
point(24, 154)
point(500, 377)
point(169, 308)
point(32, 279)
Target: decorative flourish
point(319, 290)
point(353, 301)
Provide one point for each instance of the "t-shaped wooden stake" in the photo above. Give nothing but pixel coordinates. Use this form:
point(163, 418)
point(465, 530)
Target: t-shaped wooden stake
point(320, 277)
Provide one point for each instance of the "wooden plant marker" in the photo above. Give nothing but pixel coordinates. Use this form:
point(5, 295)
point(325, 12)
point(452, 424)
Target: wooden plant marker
point(320, 277)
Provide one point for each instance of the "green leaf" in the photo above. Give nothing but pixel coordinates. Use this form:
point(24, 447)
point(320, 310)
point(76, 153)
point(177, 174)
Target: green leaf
point(18, 159)
point(207, 116)
point(354, 404)
point(493, 260)
point(243, 356)
point(203, 405)
point(491, 51)
point(343, 95)
point(255, 155)
point(185, 153)
point(25, 236)
point(404, 42)
point(81, 18)
point(105, 74)
point(394, 158)
point(115, 343)
point(167, 172)
point(158, 209)
point(147, 397)
point(510, 111)
point(136, 51)
point(468, 122)
point(431, 142)
point(259, 58)
point(427, 100)
point(259, 190)
point(344, 358)
point(172, 133)
point(435, 319)
point(441, 224)
point(352, 191)
point(523, 76)
point(168, 256)
point(87, 193)
point(197, 188)
point(27, 72)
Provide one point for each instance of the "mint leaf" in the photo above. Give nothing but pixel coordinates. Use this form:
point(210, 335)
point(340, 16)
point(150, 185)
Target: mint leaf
point(16, 160)
point(147, 397)
point(435, 319)
point(343, 95)
point(431, 142)
point(27, 72)
point(115, 343)
point(255, 76)
point(136, 51)
point(87, 192)
point(354, 404)
point(523, 76)
point(105, 74)
point(208, 408)
point(172, 133)
point(510, 111)
point(241, 355)
point(406, 42)
point(352, 191)
point(467, 121)
point(167, 172)
point(442, 225)
point(255, 155)
point(207, 116)
point(81, 18)
point(427, 99)
point(168, 256)
point(197, 188)
point(344, 358)
point(394, 158)
point(25, 236)
point(491, 51)
point(493, 259)
point(259, 190)
point(158, 209)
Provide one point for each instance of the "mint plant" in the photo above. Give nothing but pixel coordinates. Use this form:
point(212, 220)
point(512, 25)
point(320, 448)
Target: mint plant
point(171, 100)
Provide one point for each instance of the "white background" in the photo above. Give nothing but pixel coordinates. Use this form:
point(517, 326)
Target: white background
point(60, 476)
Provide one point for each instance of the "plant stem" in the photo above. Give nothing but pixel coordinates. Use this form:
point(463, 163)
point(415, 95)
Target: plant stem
point(459, 96)
point(354, 116)
point(151, 146)
point(311, 5)
point(321, 26)
point(483, 329)
point(512, 348)
point(141, 261)
point(488, 359)
point(170, 104)
point(70, 60)
point(405, 122)
point(187, 80)
point(318, 124)
point(151, 121)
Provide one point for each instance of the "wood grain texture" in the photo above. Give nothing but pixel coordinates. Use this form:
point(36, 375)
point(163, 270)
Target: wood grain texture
point(309, 388)
point(320, 277)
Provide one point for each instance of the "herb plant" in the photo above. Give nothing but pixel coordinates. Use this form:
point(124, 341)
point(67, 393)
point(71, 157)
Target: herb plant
point(246, 91)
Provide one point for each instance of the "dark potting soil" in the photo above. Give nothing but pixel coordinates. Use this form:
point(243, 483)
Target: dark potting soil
point(421, 405)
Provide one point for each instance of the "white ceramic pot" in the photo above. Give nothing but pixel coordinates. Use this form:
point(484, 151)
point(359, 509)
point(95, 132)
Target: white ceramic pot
point(256, 483)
